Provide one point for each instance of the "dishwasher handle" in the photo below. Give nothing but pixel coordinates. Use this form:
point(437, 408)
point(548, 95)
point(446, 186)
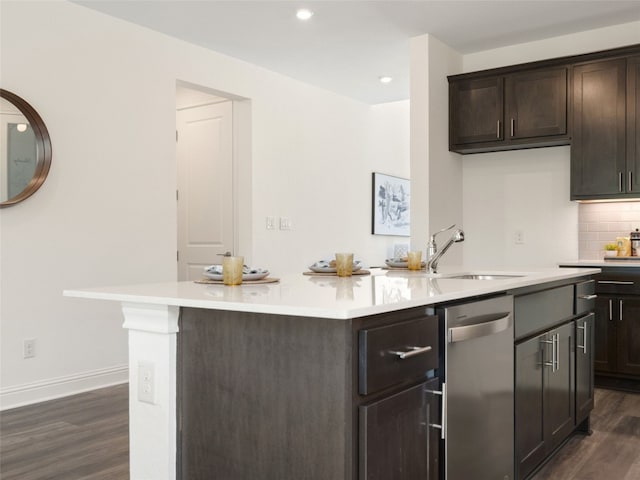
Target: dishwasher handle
point(486, 325)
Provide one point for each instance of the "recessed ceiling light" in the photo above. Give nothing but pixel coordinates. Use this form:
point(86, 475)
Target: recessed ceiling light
point(304, 14)
point(385, 79)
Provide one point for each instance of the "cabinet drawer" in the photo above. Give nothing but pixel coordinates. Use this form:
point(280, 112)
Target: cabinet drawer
point(393, 354)
point(618, 284)
point(541, 310)
point(585, 297)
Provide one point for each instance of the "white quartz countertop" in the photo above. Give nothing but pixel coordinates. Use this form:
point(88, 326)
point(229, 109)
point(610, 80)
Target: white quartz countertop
point(627, 262)
point(329, 296)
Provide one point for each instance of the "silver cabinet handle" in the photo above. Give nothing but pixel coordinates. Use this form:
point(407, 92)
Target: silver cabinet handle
point(610, 310)
point(615, 282)
point(621, 304)
point(551, 364)
point(630, 181)
point(498, 130)
point(585, 334)
point(411, 352)
point(587, 297)
point(512, 126)
point(555, 352)
point(620, 182)
point(443, 422)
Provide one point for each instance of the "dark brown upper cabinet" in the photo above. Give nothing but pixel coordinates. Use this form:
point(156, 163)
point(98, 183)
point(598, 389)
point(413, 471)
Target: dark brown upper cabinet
point(605, 150)
point(521, 109)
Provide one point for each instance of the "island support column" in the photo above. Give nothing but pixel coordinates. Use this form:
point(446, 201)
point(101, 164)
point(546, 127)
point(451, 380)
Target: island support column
point(152, 390)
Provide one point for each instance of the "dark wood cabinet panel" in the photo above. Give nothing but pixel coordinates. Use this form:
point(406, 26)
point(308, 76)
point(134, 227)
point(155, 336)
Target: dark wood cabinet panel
point(262, 396)
point(605, 335)
point(584, 366)
point(536, 103)
point(633, 120)
point(475, 114)
point(598, 164)
point(559, 405)
point(628, 336)
point(529, 406)
point(396, 439)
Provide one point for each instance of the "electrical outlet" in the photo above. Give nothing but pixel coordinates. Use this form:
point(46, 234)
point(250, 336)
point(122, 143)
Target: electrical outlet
point(271, 223)
point(518, 237)
point(285, 223)
point(146, 383)
point(29, 348)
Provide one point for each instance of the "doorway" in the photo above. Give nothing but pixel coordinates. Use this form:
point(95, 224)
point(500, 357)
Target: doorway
point(205, 191)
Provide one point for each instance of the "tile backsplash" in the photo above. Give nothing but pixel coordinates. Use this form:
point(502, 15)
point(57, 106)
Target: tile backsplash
point(601, 223)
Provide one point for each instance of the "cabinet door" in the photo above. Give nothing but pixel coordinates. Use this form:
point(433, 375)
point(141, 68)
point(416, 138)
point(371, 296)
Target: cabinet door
point(584, 367)
point(605, 335)
point(633, 121)
point(529, 403)
point(598, 165)
point(536, 103)
point(559, 399)
point(396, 439)
point(475, 111)
point(628, 336)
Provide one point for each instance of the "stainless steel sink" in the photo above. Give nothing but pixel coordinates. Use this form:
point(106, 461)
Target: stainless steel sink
point(482, 276)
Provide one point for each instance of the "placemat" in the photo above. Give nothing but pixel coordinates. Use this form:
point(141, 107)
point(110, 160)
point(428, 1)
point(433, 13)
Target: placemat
point(244, 282)
point(333, 274)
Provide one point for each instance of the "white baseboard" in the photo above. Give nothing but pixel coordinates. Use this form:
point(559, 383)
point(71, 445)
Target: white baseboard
point(29, 393)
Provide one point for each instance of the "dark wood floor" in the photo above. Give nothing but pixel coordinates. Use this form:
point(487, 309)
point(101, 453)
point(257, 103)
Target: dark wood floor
point(81, 437)
point(85, 437)
point(611, 452)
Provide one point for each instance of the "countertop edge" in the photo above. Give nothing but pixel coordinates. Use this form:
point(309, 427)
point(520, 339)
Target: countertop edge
point(336, 310)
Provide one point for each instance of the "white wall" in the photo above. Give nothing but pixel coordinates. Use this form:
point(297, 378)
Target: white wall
point(106, 215)
point(527, 190)
point(436, 174)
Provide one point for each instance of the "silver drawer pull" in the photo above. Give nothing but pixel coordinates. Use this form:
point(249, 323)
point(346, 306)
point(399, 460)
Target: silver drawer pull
point(614, 282)
point(584, 337)
point(412, 352)
point(587, 297)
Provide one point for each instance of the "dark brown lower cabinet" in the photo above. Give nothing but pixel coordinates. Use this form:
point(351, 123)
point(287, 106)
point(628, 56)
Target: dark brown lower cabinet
point(618, 336)
point(399, 439)
point(584, 366)
point(544, 396)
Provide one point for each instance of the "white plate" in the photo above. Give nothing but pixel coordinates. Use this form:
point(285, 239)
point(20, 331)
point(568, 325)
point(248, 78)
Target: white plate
point(246, 277)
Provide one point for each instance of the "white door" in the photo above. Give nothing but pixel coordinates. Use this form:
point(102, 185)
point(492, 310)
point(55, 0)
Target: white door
point(205, 187)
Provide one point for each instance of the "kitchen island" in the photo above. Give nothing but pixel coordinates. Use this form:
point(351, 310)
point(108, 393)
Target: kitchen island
point(261, 380)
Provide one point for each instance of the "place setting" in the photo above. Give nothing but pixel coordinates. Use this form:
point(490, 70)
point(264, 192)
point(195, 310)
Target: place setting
point(343, 265)
point(234, 272)
point(412, 261)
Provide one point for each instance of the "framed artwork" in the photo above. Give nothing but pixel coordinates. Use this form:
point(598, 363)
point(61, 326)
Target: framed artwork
point(390, 205)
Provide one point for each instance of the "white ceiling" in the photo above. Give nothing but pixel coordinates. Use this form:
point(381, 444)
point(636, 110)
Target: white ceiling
point(348, 44)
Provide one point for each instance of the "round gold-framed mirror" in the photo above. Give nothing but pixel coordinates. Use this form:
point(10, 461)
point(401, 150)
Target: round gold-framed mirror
point(25, 149)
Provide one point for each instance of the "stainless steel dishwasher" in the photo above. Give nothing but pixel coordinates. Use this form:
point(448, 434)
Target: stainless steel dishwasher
point(477, 390)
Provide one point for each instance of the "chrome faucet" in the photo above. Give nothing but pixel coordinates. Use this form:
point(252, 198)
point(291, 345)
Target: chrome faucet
point(434, 255)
